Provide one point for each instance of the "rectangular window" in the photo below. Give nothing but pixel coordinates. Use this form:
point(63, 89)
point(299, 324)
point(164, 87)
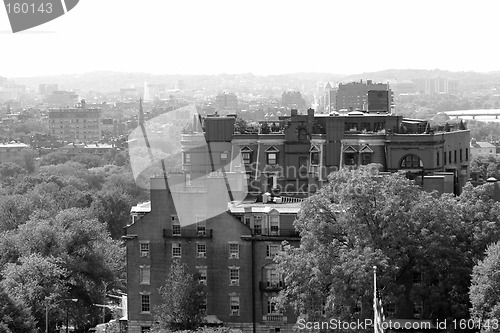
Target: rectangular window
point(187, 158)
point(378, 126)
point(461, 159)
point(145, 305)
point(234, 276)
point(202, 278)
point(234, 302)
point(366, 158)
point(144, 249)
point(272, 307)
point(144, 274)
point(272, 250)
point(224, 156)
point(272, 158)
point(201, 226)
point(365, 127)
point(145, 329)
point(449, 156)
point(273, 278)
point(234, 251)
point(203, 305)
point(315, 158)
point(351, 127)
point(176, 226)
point(176, 250)
point(466, 154)
point(274, 224)
point(437, 158)
point(202, 250)
point(247, 158)
point(257, 225)
point(455, 156)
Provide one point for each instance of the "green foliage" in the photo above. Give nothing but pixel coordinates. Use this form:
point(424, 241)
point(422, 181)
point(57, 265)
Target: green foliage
point(360, 220)
point(14, 316)
point(182, 298)
point(485, 166)
point(485, 289)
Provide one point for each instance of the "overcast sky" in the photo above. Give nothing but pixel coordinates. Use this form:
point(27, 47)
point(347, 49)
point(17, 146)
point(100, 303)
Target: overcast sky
point(258, 36)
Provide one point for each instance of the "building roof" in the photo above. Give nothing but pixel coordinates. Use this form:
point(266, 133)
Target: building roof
point(13, 145)
point(259, 207)
point(144, 207)
point(481, 144)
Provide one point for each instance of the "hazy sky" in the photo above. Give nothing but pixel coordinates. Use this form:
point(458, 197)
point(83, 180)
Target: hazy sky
point(262, 37)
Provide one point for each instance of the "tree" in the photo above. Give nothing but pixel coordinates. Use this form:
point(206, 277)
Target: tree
point(423, 244)
point(183, 298)
point(14, 316)
point(484, 292)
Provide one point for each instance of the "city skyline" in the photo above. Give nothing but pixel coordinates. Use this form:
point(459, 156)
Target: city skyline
point(195, 37)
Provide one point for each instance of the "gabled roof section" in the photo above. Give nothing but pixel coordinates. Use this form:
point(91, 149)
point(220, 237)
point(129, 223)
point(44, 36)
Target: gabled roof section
point(272, 149)
point(350, 149)
point(314, 149)
point(366, 149)
point(246, 149)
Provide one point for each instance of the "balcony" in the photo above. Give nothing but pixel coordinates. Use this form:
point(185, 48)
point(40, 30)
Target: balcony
point(271, 285)
point(275, 318)
point(275, 233)
point(188, 233)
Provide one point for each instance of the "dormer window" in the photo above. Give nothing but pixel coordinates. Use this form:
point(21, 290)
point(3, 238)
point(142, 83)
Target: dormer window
point(246, 155)
point(272, 156)
point(314, 155)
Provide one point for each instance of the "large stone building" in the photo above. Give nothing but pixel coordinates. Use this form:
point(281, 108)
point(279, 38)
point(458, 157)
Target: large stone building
point(364, 96)
point(226, 214)
point(76, 124)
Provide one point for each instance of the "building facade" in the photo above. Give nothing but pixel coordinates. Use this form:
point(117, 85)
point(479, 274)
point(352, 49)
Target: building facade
point(230, 240)
point(76, 124)
point(365, 96)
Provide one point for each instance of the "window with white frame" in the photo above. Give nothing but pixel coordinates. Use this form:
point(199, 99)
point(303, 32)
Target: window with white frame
point(234, 251)
point(145, 274)
point(176, 225)
point(187, 158)
point(272, 156)
point(272, 277)
point(201, 226)
point(257, 224)
point(272, 306)
point(274, 224)
point(202, 277)
point(234, 305)
point(234, 276)
point(272, 250)
point(224, 156)
point(144, 248)
point(246, 155)
point(145, 303)
point(201, 250)
point(176, 250)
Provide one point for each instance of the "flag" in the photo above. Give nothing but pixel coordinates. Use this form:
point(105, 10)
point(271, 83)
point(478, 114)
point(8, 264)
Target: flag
point(378, 311)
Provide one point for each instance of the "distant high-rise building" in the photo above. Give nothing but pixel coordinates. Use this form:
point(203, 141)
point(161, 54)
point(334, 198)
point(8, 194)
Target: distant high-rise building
point(47, 89)
point(225, 101)
point(330, 98)
point(437, 85)
point(60, 98)
point(354, 95)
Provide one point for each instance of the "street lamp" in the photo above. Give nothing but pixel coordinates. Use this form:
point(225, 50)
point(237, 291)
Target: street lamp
point(47, 308)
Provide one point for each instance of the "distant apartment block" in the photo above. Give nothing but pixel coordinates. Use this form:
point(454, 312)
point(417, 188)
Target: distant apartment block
point(226, 101)
point(47, 89)
point(330, 98)
point(60, 98)
point(364, 96)
point(480, 148)
point(76, 124)
point(437, 85)
point(129, 94)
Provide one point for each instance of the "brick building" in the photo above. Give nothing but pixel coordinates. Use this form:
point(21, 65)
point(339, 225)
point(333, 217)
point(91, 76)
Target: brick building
point(264, 173)
point(76, 124)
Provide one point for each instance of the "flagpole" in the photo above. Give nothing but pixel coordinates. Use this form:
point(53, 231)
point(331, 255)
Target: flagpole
point(375, 299)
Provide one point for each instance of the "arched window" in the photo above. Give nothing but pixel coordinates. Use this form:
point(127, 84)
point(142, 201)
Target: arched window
point(411, 162)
